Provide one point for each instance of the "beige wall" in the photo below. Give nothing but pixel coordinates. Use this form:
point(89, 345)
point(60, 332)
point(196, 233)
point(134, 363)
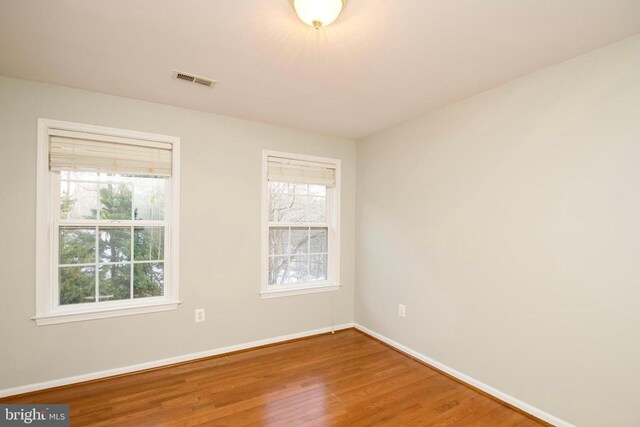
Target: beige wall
point(220, 238)
point(509, 225)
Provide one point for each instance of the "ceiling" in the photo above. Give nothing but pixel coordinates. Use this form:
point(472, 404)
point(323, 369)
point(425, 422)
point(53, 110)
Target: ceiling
point(380, 63)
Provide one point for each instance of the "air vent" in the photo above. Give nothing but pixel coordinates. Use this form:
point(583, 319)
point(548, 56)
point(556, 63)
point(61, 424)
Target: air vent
point(179, 75)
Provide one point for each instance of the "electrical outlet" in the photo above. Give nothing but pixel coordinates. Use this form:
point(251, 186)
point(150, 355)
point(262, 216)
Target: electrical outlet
point(402, 310)
point(199, 315)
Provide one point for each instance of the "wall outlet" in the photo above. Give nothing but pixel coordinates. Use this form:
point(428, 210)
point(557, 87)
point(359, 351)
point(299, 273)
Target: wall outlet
point(402, 312)
point(199, 315)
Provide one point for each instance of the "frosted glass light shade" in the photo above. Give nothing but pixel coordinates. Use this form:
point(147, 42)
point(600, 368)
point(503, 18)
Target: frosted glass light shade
point(318, 13)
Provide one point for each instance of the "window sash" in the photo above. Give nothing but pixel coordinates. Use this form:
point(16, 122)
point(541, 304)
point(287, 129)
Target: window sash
point(58, 223)
point(289, 255)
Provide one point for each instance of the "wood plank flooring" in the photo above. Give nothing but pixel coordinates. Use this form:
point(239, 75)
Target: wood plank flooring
point(334, 380)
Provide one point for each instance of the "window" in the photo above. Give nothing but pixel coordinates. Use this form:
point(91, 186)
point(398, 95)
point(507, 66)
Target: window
point(107, 222)
point(301, 238)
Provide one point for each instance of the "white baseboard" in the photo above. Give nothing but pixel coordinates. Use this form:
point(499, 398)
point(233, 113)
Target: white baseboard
point(538, 413)
point(163, 362)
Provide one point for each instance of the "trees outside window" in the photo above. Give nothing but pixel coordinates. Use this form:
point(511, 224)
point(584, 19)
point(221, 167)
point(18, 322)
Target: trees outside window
point(104, 255)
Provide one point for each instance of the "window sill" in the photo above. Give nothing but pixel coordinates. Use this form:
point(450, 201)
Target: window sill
point(102, 313)
point(300, 290)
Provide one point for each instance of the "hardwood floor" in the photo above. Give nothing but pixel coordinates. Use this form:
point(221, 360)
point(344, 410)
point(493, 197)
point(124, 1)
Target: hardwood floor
point(338, 380)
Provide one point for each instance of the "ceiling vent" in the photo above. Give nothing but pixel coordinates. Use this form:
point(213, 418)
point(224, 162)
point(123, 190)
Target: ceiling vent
point(192, 78)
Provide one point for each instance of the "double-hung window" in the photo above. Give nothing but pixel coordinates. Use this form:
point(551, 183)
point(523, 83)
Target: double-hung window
point(301, 218)
point(107, 222)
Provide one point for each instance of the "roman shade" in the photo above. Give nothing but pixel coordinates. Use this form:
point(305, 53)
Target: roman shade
point(300, 172)
point(87, 152)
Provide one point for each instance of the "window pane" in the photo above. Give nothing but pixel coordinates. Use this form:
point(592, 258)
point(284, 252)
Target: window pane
point(115, 244)
point(319, 240)
point(296, 212)
point(148, 198)
point(115, 201)
point(113, 178)
point(78, 200)
point(302, 189)
point(77, 285)
point(298, 269)
point(317, 267)
point(278, 240)
point(278, 207)
point(115, 282)
point(316, 209)
point(317, 190)
point(148, 244)
point(77, 245)
point(290, 261)
point(293, 204)
point(278, 187)
point(148, 280)
point(299, 240)
point(79, 176)
point(278, 267)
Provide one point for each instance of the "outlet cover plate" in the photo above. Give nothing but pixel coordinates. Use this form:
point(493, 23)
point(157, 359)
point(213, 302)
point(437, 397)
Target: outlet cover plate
point(199, 315)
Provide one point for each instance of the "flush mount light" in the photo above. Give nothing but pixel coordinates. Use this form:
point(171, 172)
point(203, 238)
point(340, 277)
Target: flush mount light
point(318, 13)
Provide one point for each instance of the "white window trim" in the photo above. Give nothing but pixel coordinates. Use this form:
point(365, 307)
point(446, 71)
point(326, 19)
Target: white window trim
point(46, 312)
point(333, 209)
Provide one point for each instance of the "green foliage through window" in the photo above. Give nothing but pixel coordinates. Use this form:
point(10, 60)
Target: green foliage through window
point(103, 254)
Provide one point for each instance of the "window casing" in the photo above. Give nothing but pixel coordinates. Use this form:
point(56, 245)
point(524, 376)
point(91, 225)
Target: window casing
point(301, 224)
point(107, 229)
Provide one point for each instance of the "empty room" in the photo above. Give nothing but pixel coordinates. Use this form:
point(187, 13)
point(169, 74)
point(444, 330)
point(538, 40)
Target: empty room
point(320, 213)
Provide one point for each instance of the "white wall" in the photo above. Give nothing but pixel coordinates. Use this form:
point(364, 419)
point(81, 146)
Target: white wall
point(509, 225)
point(220, 238)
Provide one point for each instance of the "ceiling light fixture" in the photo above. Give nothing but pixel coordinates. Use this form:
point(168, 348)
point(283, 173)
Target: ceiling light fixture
point(318, 13)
